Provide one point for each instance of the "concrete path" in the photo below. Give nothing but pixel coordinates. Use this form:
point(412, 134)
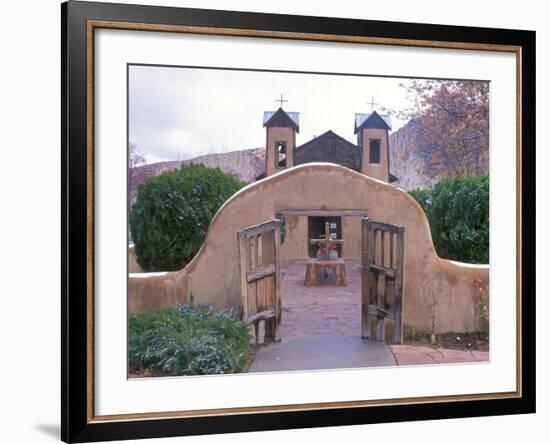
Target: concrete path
point(321, 352)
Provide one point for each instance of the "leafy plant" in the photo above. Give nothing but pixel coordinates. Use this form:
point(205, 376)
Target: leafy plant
point(172, 212)
point(458, 212)
point(187, 340)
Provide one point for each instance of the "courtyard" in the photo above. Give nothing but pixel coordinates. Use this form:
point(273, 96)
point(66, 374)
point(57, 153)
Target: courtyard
point(321, 329)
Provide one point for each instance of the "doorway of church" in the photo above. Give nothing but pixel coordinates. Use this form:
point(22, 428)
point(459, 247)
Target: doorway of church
point(316, 230)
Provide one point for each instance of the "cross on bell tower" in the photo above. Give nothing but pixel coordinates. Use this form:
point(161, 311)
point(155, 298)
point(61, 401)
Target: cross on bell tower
point(281, 101)
point(372, 103)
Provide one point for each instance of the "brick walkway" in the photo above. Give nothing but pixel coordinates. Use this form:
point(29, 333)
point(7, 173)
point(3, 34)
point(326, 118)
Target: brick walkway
point(418, 355)
point(320, 310)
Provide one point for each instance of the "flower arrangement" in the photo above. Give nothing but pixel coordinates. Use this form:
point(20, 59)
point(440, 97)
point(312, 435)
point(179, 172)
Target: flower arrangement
point(321, 250)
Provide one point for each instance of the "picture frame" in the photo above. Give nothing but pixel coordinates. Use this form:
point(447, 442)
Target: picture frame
point(80, 21)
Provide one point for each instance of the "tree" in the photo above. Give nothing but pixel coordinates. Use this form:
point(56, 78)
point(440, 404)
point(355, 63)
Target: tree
point(135, 159)
point(451, 120)
point(173, 211)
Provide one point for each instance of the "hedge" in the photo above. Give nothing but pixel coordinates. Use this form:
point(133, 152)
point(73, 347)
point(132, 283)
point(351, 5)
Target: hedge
point(458, 212)
point(173, 211)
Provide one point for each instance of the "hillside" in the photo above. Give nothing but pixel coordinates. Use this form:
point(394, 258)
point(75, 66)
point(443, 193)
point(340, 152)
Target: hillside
point(244, 165)
point(412, 169)
point(406, 163)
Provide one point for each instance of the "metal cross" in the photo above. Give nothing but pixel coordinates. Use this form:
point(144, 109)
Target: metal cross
point(326, 241)
point(281, 100)
point(372, 103)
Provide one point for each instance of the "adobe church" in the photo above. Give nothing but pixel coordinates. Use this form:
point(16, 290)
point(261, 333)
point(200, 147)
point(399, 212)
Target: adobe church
point(327, 184)
point(370, 156)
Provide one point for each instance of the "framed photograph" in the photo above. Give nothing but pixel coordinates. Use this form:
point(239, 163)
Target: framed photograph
point(275, 221)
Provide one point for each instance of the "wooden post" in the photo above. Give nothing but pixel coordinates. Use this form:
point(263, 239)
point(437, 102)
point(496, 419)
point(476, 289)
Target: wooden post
point(368, 324)
point(380, 330)
point(381, 290)
point(278, 293)
point(382, 247)
point(243, 261)
point(260, 285)
point(399, 275)
point(392, 236)
point(365, 326)
point(252, 333)
point(260, 332)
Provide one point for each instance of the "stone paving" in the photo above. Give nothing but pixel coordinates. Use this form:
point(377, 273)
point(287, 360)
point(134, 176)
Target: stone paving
point(320, 310)
point(421, 354)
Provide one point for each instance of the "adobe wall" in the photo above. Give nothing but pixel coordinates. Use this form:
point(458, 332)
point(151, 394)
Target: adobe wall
point(133, 266)
point(437, 292)
point(376, 170)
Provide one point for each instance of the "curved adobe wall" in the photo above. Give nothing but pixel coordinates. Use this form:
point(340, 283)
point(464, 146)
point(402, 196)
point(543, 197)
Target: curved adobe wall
point(437, 292)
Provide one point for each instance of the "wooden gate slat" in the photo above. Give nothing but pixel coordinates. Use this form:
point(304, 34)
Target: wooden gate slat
point(260, 278)
point(382, 282)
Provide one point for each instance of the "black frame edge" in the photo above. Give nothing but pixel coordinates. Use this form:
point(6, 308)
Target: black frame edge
point(74, 426)
point(64, 145)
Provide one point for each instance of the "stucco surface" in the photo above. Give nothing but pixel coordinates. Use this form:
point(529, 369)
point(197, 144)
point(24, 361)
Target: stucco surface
point(276, 134)
point(376, 170)
point(439, 295)
point(133, 266)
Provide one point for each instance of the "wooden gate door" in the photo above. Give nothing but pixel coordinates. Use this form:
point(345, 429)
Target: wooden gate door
point(260, 279)
point(382, 279)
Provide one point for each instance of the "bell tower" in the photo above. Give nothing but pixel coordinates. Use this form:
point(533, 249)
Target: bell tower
point(372, 136)
point(280, 129)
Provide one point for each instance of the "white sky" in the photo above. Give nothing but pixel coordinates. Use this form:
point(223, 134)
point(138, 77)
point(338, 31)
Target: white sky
point(179, 113)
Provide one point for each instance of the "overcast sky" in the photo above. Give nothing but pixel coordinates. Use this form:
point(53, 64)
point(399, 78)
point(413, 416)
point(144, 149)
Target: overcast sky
point(179, 113)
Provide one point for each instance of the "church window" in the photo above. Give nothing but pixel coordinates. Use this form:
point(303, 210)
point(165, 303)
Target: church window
point(280, 149)
point(374, 150)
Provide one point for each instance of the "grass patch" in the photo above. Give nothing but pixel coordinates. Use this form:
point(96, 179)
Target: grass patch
point(187, 340)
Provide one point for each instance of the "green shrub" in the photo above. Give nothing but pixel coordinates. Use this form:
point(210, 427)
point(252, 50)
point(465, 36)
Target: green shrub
point(188, 340)
point(458, 212)
point(172, 213)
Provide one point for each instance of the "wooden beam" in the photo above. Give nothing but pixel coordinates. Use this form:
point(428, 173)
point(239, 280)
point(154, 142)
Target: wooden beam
point(326, 213)
point(260, 228)
point(322, 241)
point(384, 227)
point(379, 311)
point(266, 314)
point(262, 272)
point(388, 272)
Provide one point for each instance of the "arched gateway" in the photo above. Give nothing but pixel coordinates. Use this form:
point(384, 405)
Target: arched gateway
point(435, 295)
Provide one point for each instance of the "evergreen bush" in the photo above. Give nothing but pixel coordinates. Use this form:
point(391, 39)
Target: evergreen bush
point(172, 212)
point(458, 212)
point(187, 340)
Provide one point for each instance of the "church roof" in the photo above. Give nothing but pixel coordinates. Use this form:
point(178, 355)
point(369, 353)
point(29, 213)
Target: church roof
point(293, 117)
point(362, 119)
point(328, 135)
